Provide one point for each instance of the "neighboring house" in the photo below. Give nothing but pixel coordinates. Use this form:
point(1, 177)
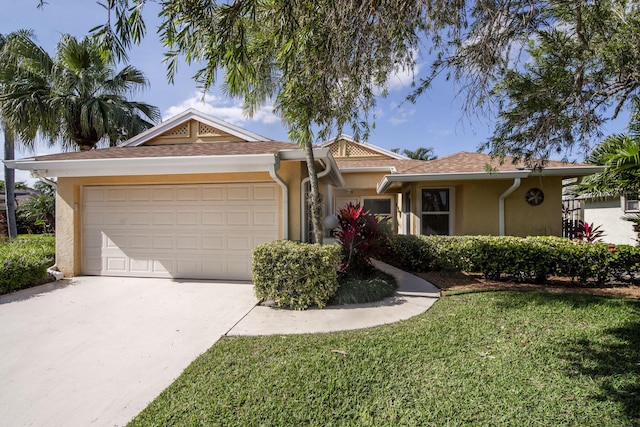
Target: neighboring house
point(608, 213)
point(22, 196)
point(192, 196)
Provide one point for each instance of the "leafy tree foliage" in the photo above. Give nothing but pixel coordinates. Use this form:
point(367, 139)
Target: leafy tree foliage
point(40, 210)
point(552, 71)
point(620, 154)
point(420, 153)
point(76, 98)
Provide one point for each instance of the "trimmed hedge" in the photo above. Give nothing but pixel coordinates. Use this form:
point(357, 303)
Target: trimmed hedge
point(295, 275)
point(530, 259)
point(24, 262)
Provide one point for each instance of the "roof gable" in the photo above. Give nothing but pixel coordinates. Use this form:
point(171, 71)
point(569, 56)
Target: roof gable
point(192, 126)
point(345, 146)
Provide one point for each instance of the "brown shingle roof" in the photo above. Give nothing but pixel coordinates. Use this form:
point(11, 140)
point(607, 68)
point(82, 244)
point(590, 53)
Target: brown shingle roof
point(177, 150)
point(463, 161)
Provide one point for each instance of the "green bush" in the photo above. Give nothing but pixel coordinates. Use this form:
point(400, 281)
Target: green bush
point(24, 262)
point(530, 259)
point(296, 275)
point(411, 253)
point(624, 262)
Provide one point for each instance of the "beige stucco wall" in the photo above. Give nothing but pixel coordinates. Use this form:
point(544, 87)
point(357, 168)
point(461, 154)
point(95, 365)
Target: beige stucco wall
point(476, 206)
point(69, 204)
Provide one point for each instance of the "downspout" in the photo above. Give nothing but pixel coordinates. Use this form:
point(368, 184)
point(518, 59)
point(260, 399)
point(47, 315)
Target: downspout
point(285, 198)
point(303, 210)
point(514, 186)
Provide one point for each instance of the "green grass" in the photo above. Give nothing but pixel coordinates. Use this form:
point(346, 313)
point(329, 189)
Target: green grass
point(488, 359)
point(374, 286)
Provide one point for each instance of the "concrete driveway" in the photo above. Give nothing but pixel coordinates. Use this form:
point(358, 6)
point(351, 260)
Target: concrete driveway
point(97, 350)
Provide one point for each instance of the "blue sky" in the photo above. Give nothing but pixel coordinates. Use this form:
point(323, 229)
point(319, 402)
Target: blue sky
point(435, 120)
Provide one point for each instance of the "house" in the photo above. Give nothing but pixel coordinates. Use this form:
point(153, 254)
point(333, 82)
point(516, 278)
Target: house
point(609, 214)
point(192, 196)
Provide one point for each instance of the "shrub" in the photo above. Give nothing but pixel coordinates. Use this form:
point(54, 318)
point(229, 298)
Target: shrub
point(372, 287)
point(411, 253)
point(362, 235)
point(295, 275)
point(624, 262)
point(531, 259)
point(24, 263)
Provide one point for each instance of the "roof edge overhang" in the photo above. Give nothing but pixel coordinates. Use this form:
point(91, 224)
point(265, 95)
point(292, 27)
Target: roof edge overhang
point(388, 180)
point(176, 165)
point(323, 154)
point(388, 169)
point(566, 172)
point(569, 171)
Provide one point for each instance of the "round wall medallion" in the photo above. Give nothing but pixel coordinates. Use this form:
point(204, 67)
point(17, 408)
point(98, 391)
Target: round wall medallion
point(534, 196)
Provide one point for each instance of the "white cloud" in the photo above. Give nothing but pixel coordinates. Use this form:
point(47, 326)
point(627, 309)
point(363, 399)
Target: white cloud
point(400, 114)
point(403, 78)
point(221, 108)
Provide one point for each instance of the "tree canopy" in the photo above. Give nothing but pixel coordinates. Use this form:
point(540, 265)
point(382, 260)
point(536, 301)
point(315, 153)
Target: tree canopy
point(76, 98)
point(550, 72)
point(420, 153)
point(620, 154)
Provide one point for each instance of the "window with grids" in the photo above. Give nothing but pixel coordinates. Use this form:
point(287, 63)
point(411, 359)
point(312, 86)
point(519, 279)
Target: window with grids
point(436, 211)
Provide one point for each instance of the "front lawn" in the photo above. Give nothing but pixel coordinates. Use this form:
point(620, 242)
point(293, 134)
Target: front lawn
point(487, 358)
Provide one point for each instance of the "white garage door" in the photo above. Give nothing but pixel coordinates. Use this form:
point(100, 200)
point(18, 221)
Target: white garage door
point(202, 231)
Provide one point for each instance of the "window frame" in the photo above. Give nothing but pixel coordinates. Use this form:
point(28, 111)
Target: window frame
point(450, 212)
point(631, 197)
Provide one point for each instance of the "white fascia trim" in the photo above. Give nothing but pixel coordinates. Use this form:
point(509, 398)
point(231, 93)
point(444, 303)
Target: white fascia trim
point(148, 165)
point(570, 171)
point(319, 154)
point(186, 116)
point(453, 176)
point(389, 169)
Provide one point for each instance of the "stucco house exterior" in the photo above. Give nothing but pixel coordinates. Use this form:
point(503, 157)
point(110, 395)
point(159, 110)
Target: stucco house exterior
point(192, 196)
point(608, 213)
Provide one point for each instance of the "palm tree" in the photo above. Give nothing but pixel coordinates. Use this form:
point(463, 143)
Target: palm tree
point(9, 174)
point(620, 155)
point(420, 153)
point(76, 99)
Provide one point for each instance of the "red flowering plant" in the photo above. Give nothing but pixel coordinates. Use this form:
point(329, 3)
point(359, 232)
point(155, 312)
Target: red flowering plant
point(590, 233)
point(362, 235)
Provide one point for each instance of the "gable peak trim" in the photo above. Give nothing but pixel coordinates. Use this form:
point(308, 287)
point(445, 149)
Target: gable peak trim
point(186, 116)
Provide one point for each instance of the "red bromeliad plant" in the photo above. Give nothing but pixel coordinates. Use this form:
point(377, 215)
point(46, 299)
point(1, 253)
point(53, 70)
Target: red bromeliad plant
point(589, 233)
point(362, 235)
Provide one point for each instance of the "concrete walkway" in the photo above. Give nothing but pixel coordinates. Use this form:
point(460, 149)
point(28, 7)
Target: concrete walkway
point(414, 296)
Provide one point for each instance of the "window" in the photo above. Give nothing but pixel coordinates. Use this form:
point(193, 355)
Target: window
point(631, 203)
point(436, 211)
point(378, 206)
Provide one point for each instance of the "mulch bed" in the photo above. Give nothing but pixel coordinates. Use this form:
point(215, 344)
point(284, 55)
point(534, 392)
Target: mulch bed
point(456, 281)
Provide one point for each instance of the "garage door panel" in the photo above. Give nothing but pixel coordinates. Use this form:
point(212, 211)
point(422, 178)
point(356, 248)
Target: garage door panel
point(187, 231)
point(213, 217)
point(213, 193)
point(189, 218)
point(115, 195)
point(189, 193)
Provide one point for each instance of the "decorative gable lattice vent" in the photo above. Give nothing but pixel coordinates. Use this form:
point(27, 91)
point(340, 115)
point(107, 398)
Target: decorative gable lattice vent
point(355, 150)
point(206, 130)
point(335, 150)
point(178, 132)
